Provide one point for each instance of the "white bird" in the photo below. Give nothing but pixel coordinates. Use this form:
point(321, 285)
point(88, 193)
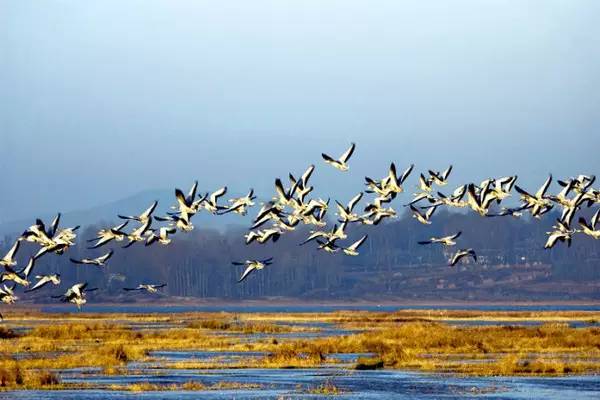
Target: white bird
point(143, 217)
point(150, 288)
point(162, 237)
point(75, 294)
point(424, 218)
point(590, 229)
point(444, 240)
point(240, 205)
point(480, 198)
point(19, 277)
point(539, 202)
point(186, 204)
point(182, 221)
point(352, 250)
point(393, 182)
point(561, 233)
point(139, 234)
point(210, 203)
point(460, 254)
point(106, 235)
point(9, 259)
point(263, 236)
point(98, 261)
point(328, 246)
point(253, 265)
point(345, 213)
point(7, 294)
point(342, 162)
point(440, 178)
point(43, 280)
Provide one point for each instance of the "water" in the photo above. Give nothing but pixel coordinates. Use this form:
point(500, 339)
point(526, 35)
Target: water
point(295, 384)
point(126, 308)
point(298, 383)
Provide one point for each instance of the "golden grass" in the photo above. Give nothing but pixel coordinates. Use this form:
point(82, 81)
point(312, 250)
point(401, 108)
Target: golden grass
point(326, 389)
point(407, 339)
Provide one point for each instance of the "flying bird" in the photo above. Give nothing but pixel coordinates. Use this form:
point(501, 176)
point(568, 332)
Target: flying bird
point(444, 240)
point(75, 294)
point(352, 250)
point(9, 259)
point(253, 265)
point(107, 235)
point(162, 237)
point(143, 217)
point(462, 253)
point(342, 162)
point(43, 280)
point(98, 261)
point(424, 218)
point(150, 288)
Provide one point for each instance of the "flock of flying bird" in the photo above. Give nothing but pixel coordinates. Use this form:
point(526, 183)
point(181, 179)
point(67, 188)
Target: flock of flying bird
point(291, 206)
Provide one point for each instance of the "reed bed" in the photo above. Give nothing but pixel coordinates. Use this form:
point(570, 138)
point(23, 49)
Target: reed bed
point(416, 340)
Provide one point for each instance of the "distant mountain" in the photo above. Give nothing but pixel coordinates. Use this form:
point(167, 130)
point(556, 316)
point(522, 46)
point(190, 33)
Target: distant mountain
point(131, 205)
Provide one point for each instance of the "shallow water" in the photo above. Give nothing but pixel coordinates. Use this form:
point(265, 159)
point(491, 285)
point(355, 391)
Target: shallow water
point(294, 384)
point(92, 308)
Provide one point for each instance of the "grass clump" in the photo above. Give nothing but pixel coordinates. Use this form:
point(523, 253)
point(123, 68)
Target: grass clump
point(326, 389)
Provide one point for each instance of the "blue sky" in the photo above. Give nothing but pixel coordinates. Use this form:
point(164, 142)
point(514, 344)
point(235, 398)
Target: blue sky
point(100, 100)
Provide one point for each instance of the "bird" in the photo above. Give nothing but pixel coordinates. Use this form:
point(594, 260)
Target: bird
point(335, 233)
point(240, 205)
point(43, 280)
point(501, 187)
point(352, 249)
point(393, 182)
point(425, 184)
point(561, 232)
point(52, 240)
point(263, 236)
point(375, 213)
point(210, 202)
point(182, 221)
point(454, 200)
point(150, 288)
point(329, 246)
point(253, 265)
point(480, 198)
point(342, 162)
point(107, 235)
point(38, 233)
point(515, 212)
point(98, 261)
point(143, 217)
point(139, 234)
point(162, 237)
point(424, 218)
point(590, 229)
point(444, 240)
point(9, 259)
point(345, 212)
point(19, 277)
point(75, 294)
point(59, 243)
point(440, 178)
point(7, 294)
point(186, 204)
point(539, 203)
point(462, 253)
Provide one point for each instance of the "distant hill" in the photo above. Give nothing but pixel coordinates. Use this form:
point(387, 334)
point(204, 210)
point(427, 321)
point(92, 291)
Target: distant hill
point(134, 204)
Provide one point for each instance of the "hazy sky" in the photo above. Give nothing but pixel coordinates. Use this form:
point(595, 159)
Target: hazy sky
point(100, 100)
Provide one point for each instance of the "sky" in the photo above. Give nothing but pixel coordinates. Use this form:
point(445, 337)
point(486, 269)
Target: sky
point(102, 100)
